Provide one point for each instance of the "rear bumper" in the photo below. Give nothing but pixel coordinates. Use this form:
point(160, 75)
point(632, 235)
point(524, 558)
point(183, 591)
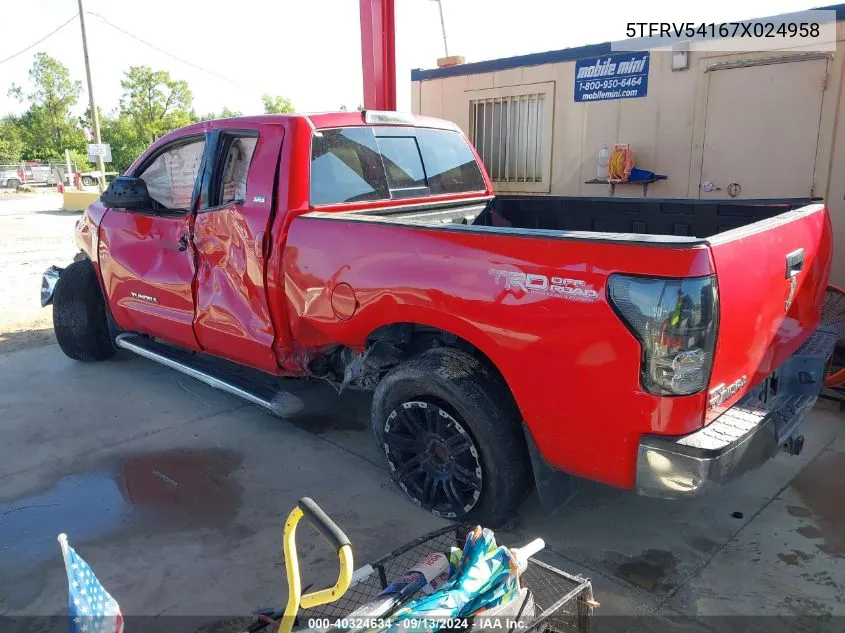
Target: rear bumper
point(741, 439)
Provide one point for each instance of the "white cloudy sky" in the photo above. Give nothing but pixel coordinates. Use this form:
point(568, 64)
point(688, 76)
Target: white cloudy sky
point(309, 50)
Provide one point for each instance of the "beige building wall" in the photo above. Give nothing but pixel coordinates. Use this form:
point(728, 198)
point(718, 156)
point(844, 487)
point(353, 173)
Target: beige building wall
point(666, 129)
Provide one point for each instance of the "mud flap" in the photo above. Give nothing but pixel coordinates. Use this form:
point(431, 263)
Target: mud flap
point(555, 488)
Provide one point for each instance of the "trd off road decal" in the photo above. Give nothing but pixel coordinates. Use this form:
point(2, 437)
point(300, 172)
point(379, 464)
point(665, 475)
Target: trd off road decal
point(560, 287)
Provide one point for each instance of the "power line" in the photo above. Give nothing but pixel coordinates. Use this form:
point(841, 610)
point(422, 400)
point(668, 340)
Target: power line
point(176, 57)
point(53, 32)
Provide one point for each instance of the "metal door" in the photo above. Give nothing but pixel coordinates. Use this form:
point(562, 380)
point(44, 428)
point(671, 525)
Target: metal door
point(762, 128)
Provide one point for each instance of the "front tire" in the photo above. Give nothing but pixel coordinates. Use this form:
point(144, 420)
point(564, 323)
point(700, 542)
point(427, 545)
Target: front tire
point(452, 437)
point(79, 314)
point(87, 181)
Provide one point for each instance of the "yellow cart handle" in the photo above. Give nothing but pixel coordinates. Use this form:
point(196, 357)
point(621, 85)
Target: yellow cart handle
point(333, 534)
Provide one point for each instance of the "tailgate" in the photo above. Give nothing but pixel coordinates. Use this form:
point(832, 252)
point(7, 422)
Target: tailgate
point(771, 278)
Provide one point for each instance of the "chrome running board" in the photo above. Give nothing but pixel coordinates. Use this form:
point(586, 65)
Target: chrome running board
point(245, 383)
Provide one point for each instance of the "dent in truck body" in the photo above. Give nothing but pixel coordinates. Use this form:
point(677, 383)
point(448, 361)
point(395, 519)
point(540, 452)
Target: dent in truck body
point(439, 277)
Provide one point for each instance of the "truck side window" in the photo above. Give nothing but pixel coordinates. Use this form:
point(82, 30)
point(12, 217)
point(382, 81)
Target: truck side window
point(346, 167)
point(404, 167)
point(228, 184)
point(172, 175)
point(449, 162)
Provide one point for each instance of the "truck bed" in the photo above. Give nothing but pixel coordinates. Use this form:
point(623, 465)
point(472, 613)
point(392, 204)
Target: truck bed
point(614, 219)
point(680, 217)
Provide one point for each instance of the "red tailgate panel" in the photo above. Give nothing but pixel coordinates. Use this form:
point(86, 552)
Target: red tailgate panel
point(758, 331)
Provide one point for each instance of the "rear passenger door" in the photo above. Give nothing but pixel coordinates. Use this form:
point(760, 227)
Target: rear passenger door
point(232, 241)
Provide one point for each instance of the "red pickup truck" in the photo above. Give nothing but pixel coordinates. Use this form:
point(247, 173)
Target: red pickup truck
point(664, 346)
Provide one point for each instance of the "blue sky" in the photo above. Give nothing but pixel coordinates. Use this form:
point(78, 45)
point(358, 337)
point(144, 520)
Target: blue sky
point(309, 50)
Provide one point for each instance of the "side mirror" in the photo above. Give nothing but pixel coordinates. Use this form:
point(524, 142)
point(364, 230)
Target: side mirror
point(126, 192)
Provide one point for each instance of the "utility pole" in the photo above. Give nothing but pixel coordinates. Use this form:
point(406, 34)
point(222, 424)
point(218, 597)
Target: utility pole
point(442, 26)
point(95, 119)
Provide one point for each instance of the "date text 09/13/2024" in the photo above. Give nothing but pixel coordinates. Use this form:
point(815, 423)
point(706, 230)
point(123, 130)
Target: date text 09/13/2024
point(412, 624)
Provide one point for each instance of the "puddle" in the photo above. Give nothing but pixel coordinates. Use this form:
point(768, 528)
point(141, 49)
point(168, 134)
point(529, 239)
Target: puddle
point(798, 511)
point(810, 531)
point(652, 570)
point(152, 493)
point(821, 486)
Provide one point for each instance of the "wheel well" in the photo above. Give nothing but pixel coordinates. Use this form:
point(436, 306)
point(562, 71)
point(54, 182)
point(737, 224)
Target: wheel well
point(391, 344)
point(387, 347)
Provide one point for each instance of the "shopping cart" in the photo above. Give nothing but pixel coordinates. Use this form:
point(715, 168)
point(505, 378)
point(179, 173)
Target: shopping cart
point(560, 602)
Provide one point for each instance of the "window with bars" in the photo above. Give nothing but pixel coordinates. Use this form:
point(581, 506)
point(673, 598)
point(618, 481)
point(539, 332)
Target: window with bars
point(508, 132)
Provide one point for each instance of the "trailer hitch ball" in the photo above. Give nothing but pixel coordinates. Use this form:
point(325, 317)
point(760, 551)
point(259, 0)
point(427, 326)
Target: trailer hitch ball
point(794, 445)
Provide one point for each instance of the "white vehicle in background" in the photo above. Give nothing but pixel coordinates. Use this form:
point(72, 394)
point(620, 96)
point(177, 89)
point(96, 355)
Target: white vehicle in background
point(9, 178)
point(90, 178)
point(13, 176)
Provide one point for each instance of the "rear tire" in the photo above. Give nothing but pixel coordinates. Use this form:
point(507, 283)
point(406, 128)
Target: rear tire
point(87, 181)
point(452, 437)
point(79, 314)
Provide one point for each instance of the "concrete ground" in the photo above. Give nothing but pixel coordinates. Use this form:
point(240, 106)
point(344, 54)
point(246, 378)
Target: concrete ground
point(33, 235)
point(176, 495)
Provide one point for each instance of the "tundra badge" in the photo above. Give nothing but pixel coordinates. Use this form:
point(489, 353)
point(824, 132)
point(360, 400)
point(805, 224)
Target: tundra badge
point(140, 297)
point(721, 393)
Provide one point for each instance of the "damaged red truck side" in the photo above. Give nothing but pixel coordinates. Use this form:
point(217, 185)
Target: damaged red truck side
point(509, 341)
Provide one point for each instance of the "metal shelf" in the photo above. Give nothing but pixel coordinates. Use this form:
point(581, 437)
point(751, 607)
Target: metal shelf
point(611, 186)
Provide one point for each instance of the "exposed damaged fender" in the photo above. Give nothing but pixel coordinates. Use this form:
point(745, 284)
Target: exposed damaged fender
point(49, 280)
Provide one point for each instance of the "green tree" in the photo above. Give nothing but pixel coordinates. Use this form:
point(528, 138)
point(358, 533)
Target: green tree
point(120, 131)
point(154, 102)
point(11, 143)
point(225, 113)
point(277, 105)
point(47, 127)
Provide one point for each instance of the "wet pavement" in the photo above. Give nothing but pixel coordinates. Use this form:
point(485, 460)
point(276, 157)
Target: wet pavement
point(176, 495)
point(169, 491)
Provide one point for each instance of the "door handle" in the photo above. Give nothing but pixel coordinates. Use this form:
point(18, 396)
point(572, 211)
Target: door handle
point(794, 263)
point(184, 241)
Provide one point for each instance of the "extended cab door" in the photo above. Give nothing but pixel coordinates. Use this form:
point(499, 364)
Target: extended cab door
point(146, 257)
point(232, 241)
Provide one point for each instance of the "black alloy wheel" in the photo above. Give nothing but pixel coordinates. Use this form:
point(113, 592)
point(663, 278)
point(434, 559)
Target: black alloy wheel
point(433, 458)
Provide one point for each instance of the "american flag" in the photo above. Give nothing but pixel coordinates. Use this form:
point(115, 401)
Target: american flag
point(90, 607)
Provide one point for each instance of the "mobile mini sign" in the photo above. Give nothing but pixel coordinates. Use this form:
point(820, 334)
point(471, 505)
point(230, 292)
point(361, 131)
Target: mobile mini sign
point(619, 76)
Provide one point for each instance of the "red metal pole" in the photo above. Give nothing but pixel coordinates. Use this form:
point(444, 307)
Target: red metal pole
point(378, 54)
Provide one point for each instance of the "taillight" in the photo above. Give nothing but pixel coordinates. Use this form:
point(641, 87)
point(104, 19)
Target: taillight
point(675, 321)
